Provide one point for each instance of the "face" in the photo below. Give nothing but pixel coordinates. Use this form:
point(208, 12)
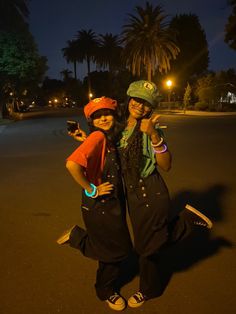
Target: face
point(103, 119)
point(139, 108)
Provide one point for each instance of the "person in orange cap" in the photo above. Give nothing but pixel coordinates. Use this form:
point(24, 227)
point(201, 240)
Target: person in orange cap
point(94, 166)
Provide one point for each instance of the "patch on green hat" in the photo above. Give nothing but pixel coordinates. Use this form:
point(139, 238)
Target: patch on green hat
point(145, 90)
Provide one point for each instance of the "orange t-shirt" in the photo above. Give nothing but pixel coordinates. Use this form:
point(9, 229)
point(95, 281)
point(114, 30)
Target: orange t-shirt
point(91, 155)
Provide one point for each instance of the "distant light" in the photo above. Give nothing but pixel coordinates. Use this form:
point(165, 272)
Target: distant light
point(169, 83)
point(90, 95)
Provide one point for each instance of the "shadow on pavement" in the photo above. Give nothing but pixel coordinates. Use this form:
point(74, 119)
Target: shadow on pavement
point(199, 246)
point(208, 201)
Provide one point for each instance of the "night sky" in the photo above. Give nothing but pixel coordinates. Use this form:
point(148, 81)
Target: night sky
point(53, 22)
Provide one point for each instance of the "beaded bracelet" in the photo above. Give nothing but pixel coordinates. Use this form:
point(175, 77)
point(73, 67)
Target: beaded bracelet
point(165, 148)
point(159, 143)
point(94, 192)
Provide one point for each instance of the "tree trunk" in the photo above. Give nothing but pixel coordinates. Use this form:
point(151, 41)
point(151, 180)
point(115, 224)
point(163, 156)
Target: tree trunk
point(89, 80)
point(75, 71)
point(149, 72)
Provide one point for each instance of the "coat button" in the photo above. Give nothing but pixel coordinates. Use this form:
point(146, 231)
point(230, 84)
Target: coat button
point(144, 194)
point(140, 180)
point(147, 205)
point(143, 188)
point(131, 186)
point(103, 201)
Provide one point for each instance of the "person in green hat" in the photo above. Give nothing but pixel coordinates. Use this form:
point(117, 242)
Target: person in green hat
point(143, 151)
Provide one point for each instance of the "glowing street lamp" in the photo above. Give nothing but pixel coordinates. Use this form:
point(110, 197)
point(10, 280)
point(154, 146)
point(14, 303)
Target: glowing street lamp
point(169, 85)
point(90, 96)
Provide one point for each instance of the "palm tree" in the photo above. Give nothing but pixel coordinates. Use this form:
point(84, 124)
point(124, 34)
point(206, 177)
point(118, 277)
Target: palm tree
point(109, 52)
point(88, 45)
point(13, 14)
point(66, 75)
point(109, 57)
point(148, 42)
point(71, 53)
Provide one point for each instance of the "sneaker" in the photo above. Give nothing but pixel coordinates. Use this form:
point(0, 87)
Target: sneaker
point(116, 302)
point(64, 238)
point(198, 218)
point(136, 300)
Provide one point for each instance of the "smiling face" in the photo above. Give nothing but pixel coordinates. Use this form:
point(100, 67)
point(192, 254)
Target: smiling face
point(103, 119)
point(139, 108)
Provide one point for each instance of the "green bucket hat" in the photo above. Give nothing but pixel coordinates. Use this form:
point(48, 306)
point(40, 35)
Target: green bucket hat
point(145, 90)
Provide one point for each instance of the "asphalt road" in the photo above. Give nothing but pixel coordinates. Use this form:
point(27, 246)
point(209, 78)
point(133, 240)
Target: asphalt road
point(39, 199)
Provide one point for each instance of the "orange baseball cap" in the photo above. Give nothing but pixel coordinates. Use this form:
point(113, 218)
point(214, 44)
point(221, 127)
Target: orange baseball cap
point(99, 103)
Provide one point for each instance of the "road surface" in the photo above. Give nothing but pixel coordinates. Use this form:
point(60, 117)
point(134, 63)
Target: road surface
point(39, 199)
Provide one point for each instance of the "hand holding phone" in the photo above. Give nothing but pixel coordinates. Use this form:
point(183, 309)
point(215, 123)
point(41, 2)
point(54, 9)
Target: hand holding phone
point(75, 131)
point(72, 126)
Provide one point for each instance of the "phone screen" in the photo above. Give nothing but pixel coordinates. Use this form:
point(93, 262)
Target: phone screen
point(72, 126)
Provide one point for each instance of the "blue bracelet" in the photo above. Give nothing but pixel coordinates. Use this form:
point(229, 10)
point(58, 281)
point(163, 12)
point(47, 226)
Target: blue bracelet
point(94, 191)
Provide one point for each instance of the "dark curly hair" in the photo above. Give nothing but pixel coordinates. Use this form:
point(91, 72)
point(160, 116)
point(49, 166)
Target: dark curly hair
point(132, 154)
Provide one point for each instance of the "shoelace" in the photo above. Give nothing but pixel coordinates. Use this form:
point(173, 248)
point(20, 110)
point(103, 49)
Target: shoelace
point(113, 297)
point(139, 296)
point(200, 223)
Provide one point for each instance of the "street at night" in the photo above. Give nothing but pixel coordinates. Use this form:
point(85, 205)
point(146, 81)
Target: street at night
point(39, 200)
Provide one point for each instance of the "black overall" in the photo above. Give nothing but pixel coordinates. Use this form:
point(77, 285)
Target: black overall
point(149, 205)
point(106, 238)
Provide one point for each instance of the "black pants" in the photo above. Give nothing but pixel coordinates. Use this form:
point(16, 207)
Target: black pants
point(150, 279)
point(149, 205)
point(107, 272)
point(107, 275)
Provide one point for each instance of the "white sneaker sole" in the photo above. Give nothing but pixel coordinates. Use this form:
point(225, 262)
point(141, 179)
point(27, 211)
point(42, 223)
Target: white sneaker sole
point(116, 307)
point(65, 237)
point(135, 305)
point(198, 213)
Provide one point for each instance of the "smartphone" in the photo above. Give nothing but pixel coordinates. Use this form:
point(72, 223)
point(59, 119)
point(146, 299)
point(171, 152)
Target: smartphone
point(72, 126)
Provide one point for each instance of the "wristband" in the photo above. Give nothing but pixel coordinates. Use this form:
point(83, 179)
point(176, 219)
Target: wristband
point(165, 148)
point(94, 192)
point(159, 143)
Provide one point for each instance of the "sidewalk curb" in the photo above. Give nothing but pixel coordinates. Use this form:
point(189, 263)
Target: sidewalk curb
point(196, 113)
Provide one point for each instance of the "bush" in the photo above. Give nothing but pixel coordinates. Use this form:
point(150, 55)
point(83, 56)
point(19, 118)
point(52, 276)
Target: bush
point(229, 107)
point(201, 105)
point(170, 105)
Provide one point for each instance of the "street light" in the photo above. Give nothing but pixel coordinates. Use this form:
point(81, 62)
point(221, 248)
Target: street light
point(169, 84)
point(90, 96)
